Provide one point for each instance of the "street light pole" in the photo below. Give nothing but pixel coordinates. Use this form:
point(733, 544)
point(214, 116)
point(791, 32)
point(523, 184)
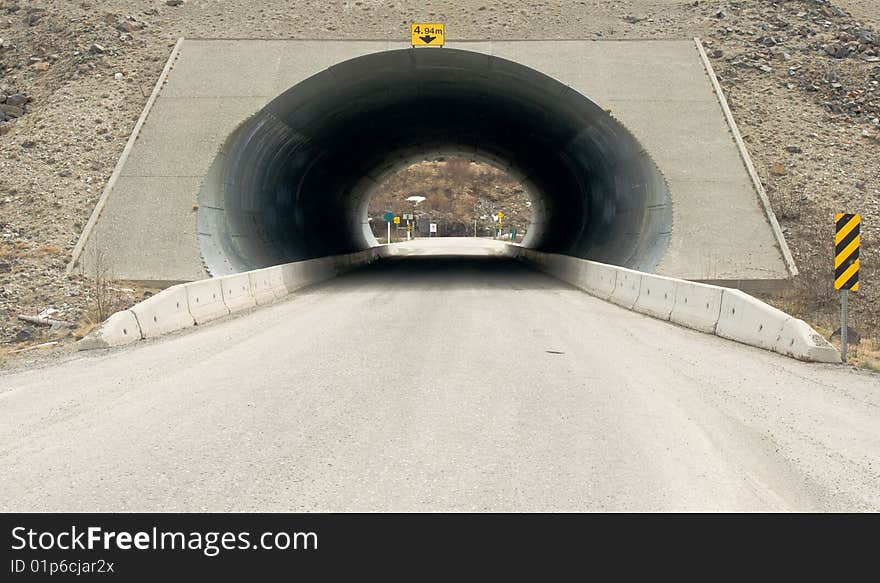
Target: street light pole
point(415, 199)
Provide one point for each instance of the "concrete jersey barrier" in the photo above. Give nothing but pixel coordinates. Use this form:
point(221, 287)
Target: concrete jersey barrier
point(237, 292)
point(696, 306)
point(118, 330)
point(728, 313)
point(746, 319)
point(656, 296)
point(627, 287)
point(205, 299)
point(190, 304)
point(267, 284)
point(165, 312)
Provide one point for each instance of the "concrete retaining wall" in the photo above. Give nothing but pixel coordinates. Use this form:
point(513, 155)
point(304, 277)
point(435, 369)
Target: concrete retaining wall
point(190, 304)
point(725, 312)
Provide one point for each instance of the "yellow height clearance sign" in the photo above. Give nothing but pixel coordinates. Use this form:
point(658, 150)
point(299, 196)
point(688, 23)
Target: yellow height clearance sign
point(428, 34)
point(847, 238)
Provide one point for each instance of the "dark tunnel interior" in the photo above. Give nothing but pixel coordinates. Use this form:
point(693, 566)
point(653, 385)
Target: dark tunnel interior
point(294, 181)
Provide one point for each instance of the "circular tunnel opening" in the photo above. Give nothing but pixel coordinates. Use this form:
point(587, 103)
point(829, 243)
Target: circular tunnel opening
point(294, 181)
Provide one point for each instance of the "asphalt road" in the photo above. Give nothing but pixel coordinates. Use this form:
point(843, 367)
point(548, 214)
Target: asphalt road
point(426, 383)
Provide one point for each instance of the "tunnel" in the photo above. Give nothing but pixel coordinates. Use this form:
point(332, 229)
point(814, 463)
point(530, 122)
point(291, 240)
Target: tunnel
point(294, 180)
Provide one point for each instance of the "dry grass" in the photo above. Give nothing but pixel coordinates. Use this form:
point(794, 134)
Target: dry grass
point(817, 303)
point(44, 250)
point(865, 354)
point(9, 252)
point(85, 325)
point(811, 299)
point(5, 352)
point(21, 249)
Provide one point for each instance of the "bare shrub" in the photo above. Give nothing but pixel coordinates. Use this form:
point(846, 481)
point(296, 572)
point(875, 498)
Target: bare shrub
point(104, 298)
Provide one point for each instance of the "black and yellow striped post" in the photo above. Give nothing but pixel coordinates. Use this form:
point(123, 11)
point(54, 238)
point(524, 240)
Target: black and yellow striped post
point(847, 238)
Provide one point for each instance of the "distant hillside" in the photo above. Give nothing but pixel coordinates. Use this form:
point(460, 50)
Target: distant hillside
point(457, 192)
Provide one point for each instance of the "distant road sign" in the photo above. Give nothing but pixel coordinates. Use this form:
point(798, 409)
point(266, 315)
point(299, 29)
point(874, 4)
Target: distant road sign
point(500, 215)
point(389, 216)
point(433, 228)
point(428, 34)
point(847, 239)
point(408, 217)
point(396, 220)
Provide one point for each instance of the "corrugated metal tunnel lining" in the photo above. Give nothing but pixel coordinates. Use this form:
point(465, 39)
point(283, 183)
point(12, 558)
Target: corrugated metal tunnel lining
point(294, 181)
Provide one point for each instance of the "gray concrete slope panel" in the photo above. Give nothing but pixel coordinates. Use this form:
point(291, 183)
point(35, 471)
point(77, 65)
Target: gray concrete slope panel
point(183, 135)
point(148, 231)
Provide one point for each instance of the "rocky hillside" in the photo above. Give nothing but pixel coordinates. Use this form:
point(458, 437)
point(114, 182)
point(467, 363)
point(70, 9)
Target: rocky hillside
point(458, 193)
point(801, 76)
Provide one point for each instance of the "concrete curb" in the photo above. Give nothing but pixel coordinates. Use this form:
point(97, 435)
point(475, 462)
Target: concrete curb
point(727, 313)
point(191, 304)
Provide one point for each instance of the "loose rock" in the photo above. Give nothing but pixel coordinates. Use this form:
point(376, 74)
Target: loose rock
point(778, 169)
point(17, 99)
point(11, 110)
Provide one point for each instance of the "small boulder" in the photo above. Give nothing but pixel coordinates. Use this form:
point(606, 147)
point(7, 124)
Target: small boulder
point(128, 26)
point(24, 335)
point(11, 111)
point(17, 99)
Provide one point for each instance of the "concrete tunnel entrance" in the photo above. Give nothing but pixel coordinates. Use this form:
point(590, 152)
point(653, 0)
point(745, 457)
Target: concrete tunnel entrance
point(294, 181)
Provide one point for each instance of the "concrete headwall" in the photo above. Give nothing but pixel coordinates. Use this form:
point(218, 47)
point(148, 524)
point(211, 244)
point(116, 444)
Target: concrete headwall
point(662, 92)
